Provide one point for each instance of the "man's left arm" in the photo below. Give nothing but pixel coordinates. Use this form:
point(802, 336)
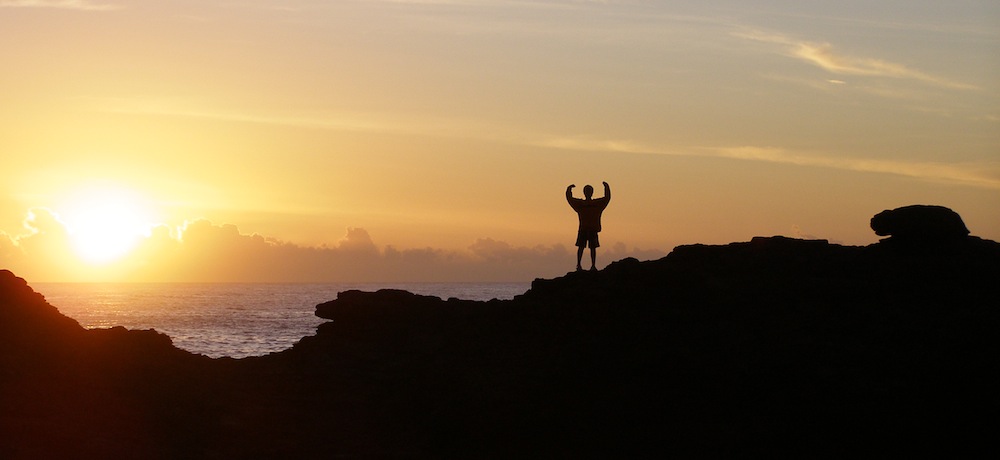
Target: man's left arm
point(607, 192)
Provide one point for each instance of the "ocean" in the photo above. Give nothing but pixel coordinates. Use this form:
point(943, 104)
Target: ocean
point(230, 319)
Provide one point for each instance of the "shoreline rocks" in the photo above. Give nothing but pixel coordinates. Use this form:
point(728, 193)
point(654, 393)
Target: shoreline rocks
point(774, 345)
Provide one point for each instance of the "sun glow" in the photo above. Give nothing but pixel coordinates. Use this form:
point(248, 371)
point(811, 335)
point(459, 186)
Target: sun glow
point(106, 223)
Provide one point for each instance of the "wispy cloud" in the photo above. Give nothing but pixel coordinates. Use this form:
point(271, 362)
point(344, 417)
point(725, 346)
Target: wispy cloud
point(971, 174)
point(59, 4)
point(488, 3)
point(981, 175)
point(368, 122)
point(605, 145)
point(935, 25)
point(335, 122)
point(826, 57)
point(978, 175)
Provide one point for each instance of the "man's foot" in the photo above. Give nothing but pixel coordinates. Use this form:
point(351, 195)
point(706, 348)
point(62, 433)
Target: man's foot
point(579, 268)
point(593, 268)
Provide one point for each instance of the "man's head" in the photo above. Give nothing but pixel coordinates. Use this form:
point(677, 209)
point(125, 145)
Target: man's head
point(588, 191)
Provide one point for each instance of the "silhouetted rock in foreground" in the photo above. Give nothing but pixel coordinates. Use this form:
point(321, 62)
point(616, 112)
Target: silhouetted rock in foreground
point(776, 345)
point(920, 224)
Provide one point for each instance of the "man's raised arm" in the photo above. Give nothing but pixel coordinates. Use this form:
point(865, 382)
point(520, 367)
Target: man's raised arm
point(607, 191)
point(569, 193)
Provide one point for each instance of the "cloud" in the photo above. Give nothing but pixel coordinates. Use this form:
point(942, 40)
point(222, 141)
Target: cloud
point(9, 251)
point(220, 253)
point(978, 175)
point(59, 4)
point(43, 249)
point(499, 3)
point(44, 221)
point(345, 122)
point(357, 240)
point(200, 251)
point(366, 122)
point(826, 57)
point(798, 233)
point(982, 175)
point(603, 145)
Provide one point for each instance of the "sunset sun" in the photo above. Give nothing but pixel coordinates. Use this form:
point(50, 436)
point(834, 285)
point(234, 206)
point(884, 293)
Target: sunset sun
point(105, 223)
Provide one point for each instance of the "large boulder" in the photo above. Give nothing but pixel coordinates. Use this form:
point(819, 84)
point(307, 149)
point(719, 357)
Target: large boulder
point(920, 223)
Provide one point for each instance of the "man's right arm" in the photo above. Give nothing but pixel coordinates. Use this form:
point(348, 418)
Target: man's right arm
point(607, 192)
point(569, 193)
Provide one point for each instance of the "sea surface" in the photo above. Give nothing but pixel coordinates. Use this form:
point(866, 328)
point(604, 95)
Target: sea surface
point(230, 319)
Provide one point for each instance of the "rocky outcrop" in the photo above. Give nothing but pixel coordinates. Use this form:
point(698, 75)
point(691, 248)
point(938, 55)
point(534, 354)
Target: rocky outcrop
point(920, 224)
point(713, 350)
point(775, 345)
point(66, 392)
point(26, 319)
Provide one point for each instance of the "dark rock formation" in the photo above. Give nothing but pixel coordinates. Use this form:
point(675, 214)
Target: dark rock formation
point(920, 224)
point(66, 392)
point(777, 345)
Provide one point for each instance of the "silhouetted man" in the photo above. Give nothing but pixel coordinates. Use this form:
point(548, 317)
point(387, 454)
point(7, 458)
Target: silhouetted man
point(589, 211)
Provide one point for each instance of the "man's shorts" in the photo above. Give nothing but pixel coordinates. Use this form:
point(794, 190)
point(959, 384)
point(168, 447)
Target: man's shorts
point(583, 238)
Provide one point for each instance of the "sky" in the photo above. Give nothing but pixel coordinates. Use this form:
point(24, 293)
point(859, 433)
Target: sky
point(433, 140)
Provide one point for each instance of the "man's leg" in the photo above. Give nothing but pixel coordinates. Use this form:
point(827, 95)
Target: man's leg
point(593, 258)
point(579, 257)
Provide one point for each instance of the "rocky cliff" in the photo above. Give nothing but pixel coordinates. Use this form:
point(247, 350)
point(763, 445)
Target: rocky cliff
point(775, 345)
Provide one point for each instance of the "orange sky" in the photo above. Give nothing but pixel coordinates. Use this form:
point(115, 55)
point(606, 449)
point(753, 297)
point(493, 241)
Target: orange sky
point(433, 140)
